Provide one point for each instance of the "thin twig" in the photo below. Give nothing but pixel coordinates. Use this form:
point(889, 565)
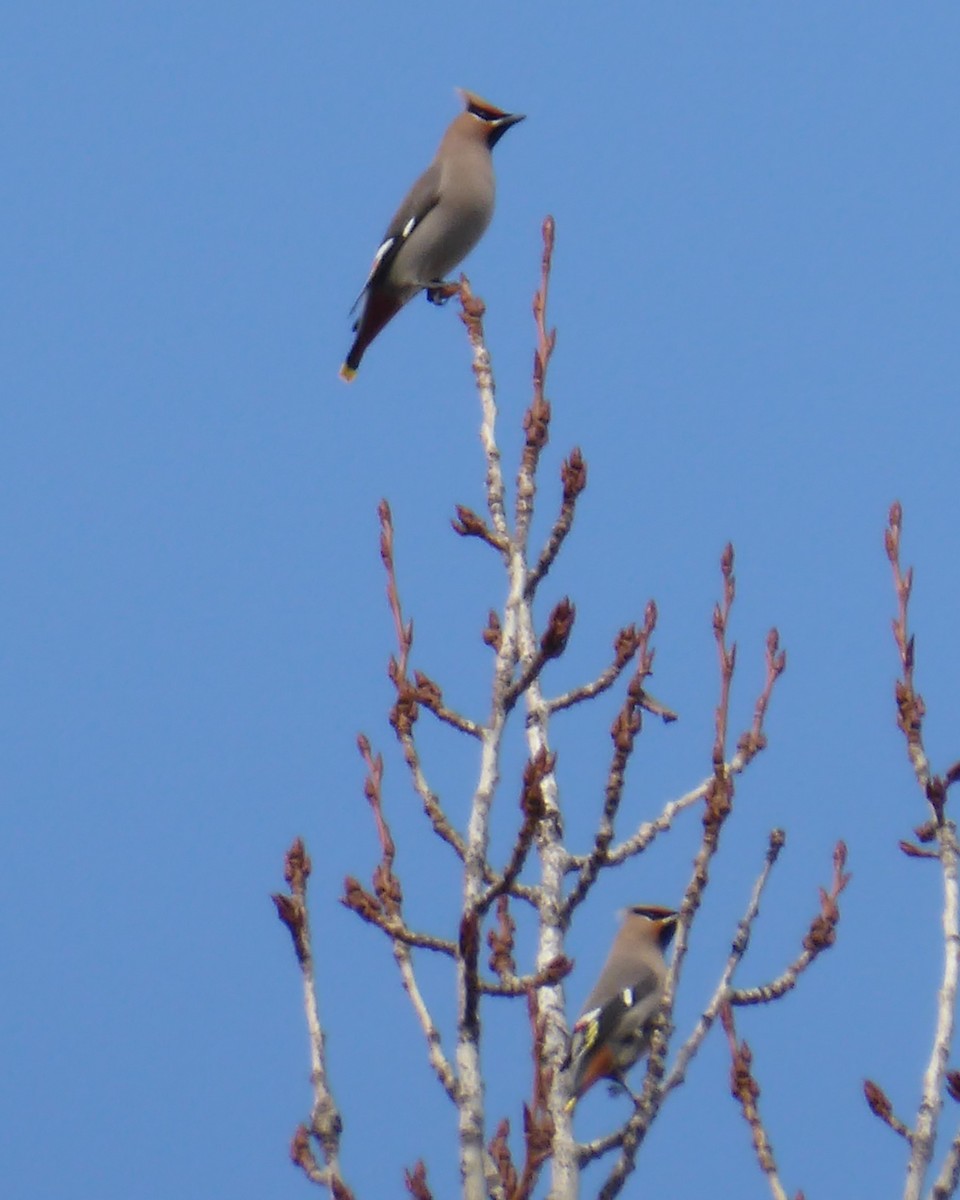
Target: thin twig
point(368, 908)
point(949, 1177)
point(819, 937)
point(435, 1055)
point(552, 645)
point(429, 695)
point(573, 475)
point(881, 1107)
point(404, 712)
point(626, 726)
point(718, 804)
point(749, 746)
point(746, 1090)
point(553, 973)
point(537, 1122)
point(533, 808)
point(536, 420)
point(910, 706)
point(325, 1125)
point(385, 909)
point(738, 948)
point(472, 311)
point(469, 524)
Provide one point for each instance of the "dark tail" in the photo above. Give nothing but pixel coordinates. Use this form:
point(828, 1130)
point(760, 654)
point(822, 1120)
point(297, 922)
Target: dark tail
point(380, 307)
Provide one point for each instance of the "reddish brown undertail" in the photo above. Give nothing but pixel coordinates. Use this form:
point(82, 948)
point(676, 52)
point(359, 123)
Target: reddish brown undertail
point(378, 309)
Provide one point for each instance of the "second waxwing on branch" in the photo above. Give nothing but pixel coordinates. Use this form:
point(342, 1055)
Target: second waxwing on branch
point(614, 1028)
point(441, 219)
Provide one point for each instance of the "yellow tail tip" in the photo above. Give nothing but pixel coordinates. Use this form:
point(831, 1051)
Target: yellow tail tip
point(347, 374)
point(571, 1104)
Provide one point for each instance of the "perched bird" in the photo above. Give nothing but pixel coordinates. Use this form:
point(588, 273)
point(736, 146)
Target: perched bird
point(439, 222)
point(613, 1030)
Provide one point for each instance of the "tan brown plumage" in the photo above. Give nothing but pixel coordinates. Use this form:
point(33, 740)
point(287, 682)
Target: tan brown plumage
point(613, 1029)
point(441, 219)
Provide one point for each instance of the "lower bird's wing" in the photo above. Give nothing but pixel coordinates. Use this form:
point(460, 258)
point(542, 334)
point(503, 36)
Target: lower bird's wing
point(420, 200)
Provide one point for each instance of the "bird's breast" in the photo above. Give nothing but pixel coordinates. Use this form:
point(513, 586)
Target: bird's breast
point(451, 229)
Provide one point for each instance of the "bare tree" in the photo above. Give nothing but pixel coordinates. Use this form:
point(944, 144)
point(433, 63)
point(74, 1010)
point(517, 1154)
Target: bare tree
point(541, 872)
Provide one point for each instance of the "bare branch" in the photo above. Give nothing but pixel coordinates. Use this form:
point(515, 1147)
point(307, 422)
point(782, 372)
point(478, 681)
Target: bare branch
point(910, 713)
point(429, 695)
point(385, 909)
point(573, 475)
point(469, 524)
point(519, 627)
point(478, 1171)
point(624, 648)
point(404, 712)
point(368, 908)
point(928, 1114)
point(881, 1107)
point(472, 311)
point(552, 645)
point(533, 808)
point(910, 706)
point(912, 851)
point(718, 802)
point(717, 794)
point(554, 972)
point(538, 1126)
point(536, 420)
point(721, 993)
point(326, 1124)
point(746, 1090)
point(949, 1177)
point(748, 747)
point(821, 935)
point(435, 1055)
point(499, 1151)
point(727, 656)
point(416, 1181)
point(625, 729)
point(501, 941)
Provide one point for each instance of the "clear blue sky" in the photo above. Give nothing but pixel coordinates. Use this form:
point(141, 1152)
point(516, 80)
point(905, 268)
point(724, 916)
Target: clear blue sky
point(756, 289)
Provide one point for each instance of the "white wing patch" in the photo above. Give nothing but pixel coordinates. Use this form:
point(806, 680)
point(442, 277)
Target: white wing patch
point(384, 250)
point(379, 256)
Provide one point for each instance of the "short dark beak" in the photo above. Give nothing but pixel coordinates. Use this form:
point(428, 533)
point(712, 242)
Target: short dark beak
point(500, 126)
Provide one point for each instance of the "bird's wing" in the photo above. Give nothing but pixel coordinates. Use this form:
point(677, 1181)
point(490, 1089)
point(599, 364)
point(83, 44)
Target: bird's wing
point(421, 199)
point(598, 1024)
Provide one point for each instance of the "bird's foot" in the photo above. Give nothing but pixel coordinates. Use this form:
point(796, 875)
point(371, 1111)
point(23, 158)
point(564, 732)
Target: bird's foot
point(441, 291)
point(619, 1085)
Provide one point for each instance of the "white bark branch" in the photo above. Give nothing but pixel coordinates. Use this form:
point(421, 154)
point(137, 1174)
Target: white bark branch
point(925, 1128)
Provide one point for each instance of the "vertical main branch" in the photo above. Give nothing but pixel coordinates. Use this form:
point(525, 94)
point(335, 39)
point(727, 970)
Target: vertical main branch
point(552, 854)
point(925, 1130)
point(477, 1172)
point(517, 651)
point(911, 711)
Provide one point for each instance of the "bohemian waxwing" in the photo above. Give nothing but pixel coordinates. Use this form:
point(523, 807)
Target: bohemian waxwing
point(440, 221)
point(613, 1030)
